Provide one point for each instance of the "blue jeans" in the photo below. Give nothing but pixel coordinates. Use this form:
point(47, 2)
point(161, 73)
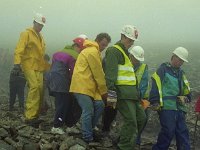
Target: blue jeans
point(172, 124)
point(91, 112)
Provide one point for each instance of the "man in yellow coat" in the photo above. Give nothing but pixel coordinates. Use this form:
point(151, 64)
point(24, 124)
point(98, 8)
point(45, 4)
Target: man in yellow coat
point(29, 58)
point(88, 83)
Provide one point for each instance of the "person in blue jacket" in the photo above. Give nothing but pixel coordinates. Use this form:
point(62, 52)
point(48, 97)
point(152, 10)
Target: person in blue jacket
point(169, 94)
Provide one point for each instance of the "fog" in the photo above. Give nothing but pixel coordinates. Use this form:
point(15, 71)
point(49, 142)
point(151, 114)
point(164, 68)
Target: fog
point(162, 25)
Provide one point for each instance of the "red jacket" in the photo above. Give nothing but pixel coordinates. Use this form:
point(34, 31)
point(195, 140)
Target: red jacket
point(197, 106)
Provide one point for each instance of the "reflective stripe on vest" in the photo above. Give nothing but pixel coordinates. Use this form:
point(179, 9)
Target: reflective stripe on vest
point(186, 87)
point(158, 83)
point(126, 74)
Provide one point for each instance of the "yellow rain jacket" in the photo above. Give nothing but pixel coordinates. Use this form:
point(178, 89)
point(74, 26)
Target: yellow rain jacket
point(30, 51)
point(88, 77)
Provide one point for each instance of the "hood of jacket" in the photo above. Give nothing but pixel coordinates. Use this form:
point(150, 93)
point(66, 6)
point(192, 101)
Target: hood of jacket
point(71, 51)
point(33, 31)
point(88, 43)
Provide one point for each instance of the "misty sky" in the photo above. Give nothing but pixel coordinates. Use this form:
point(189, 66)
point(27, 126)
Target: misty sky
point(172, 22)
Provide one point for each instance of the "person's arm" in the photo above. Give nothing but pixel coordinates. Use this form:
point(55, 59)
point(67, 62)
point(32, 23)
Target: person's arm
point(20, 48)
point(189, 95)
point(154, 94)
point(144, 83)
point(95, 64)
point(111, 67)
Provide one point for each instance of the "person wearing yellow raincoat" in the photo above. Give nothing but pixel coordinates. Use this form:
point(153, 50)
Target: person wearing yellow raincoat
point(29, 58)
point(88, 84)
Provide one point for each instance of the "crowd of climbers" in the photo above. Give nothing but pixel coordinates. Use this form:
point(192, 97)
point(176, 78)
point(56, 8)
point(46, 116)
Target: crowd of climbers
point(83, 83)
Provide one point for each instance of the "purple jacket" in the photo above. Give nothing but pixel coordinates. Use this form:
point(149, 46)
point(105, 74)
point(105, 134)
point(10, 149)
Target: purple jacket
point(66, 59)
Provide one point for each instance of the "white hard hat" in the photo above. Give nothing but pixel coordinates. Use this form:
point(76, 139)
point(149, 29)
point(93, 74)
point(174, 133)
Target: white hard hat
point(39, 18)
point(182, 53)
point(130, 32)
point(137, 52)
point(83, 36)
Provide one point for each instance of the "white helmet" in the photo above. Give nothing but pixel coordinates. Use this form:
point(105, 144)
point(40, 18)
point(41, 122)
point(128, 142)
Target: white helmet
point(83, 36)
point(39, 18)
point(130, 32)
point(182, 53)
point(137, 52)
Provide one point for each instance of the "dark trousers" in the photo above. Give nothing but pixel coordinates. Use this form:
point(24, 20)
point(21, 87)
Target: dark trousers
point(16, 90)
point(62, 105)
point(172, 124)
point(138, 140)
point(108, 117)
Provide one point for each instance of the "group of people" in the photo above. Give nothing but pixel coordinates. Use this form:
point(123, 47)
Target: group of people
point(118, 82)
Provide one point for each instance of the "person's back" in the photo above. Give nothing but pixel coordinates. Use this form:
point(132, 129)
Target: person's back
point(58, 77)
point(88, 66)
point(88, 84)
point(58, 82)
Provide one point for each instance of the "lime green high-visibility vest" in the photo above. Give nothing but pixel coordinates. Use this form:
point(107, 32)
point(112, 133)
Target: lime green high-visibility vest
point(186, 86)
point(139, 73)
point(158, 83)
point(185, 89)
point(126, 74)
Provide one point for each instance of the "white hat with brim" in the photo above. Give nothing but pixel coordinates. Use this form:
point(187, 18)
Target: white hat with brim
point(39, 18)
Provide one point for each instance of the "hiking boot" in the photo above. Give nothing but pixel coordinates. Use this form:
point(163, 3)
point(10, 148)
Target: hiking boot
point(57, 131)
point(96, 137)
point(96, 128)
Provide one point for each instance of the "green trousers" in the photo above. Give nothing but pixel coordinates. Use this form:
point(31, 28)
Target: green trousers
point(134, 119)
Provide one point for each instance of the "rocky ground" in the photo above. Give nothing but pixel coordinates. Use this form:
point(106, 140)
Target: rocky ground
point(16, 135)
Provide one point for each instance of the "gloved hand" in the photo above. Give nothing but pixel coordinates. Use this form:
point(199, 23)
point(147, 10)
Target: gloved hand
point(112, 99)
point(104, 97)
point(183, 99)
point(145, 103)
point(16, 69)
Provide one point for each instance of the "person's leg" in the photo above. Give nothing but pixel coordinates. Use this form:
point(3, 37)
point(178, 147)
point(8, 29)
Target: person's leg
point(108, 117)
point(182, 133)
point(40, 79)
point(168, 125)
point(98, 110)
point(128, 132)
point(74, 112)
point(87, 107)
point(13, 92)
point(20, 93)
point(141, 121)
point(33, 101)
point(61, 108)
